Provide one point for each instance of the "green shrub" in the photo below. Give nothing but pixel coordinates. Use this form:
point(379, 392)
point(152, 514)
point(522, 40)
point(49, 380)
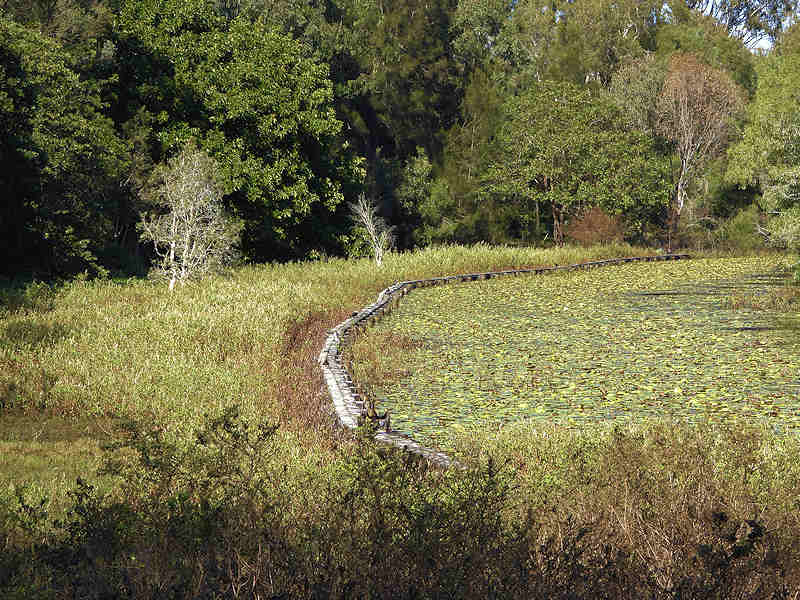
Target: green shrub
point(741, 231)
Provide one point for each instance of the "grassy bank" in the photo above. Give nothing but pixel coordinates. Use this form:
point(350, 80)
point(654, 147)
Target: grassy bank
point(195, 506)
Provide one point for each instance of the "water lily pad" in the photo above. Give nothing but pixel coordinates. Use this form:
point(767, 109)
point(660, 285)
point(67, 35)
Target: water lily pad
point(613, 343)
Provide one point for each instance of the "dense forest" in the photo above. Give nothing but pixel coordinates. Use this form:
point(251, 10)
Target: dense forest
point(512, 122)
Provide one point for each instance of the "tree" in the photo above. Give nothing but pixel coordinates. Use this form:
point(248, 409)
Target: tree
point(256, 101)
point(698, 105)
point(469, 142)
point(60, 161)
point(379, 236)
point(635, 89)
point(192, 235)
point(580, 42)
point(690, 32)
point(409, 70)
point(566, 149)
point(769, 153)
point(477, 25)
point(749, 20)
point(78, 25)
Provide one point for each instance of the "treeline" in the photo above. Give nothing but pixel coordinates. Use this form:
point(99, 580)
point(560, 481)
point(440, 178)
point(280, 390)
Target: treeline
point(513, 122)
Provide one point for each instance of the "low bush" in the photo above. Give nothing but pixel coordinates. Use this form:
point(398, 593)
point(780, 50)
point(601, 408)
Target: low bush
point(628, 514)
point(595, 226)
point(741, 232)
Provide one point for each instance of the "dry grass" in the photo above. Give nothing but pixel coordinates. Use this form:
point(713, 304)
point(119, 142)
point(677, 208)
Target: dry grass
point(675, 498)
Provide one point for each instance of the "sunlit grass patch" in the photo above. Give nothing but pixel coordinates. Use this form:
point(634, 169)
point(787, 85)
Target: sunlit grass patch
point(45, 454)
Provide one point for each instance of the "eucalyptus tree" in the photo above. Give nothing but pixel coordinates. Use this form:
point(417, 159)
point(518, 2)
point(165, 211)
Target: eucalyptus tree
point(698, 106)
point(749, 20)
point(581, 42)
point(769, 152)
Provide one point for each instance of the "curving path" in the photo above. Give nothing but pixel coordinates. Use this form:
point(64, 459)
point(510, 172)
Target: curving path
point(349, 407)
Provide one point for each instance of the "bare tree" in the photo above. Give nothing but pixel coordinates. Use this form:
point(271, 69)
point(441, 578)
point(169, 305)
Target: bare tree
point(379, 234)
point(697, 106)
point(191, 233)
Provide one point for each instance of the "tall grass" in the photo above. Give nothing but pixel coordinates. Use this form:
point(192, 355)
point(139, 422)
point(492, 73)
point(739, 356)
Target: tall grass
point(192, 506)
point(100, 349)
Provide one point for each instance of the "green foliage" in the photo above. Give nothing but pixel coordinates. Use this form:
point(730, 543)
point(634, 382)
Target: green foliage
point(61, 161)
point(740, 232)
point(409, 70)
point(635, 88)
point(692, 32)
point(413, 193)
point(255, 101)
point(477, 25)
point(565, 149)
point(749, 21)
point(79, 27)
point(466, 214)
point(575, 42)
point(429, 211)
point(287, 96)
point(770, 149)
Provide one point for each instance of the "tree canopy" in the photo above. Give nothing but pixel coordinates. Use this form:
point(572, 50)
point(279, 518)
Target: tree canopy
point(769, 153)
point(255, 101)
point(463, 120)
point(567, 150)
point(60, 160)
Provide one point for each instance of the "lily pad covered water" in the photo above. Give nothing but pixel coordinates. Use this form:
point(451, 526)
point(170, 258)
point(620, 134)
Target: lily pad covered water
point(639, 340)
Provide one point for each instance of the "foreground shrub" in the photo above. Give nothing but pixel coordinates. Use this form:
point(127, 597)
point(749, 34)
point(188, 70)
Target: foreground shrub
point(217, 519)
